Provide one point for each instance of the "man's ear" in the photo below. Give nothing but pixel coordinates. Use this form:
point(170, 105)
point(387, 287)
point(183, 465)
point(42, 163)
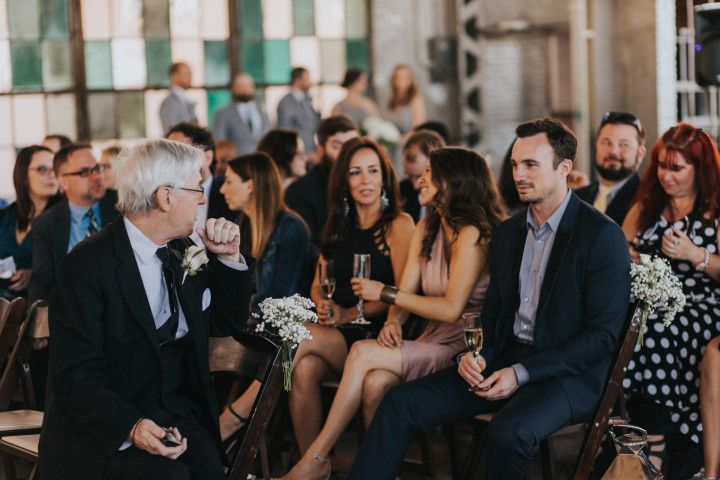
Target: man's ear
point(163, 198)
point(566, 167)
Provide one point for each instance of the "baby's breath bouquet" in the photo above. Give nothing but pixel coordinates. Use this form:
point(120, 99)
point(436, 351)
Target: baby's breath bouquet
point(656, 287)
point(286, 317)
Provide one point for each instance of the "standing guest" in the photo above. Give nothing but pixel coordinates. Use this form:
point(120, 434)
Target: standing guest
point(308, 195)
point(405, 106)
point(549, 340)
point(242, 122)
point(296, 111)
point(224, 152)
point(176, 107)
point(416, 155)
point(36, 188)
point(131, 359)
point(107, 159)
point(619, 152)
point(215, 205)
point(355, 104)
point(55, 142)
point(675, 215)
point(87, 208)
point(287, 150)
point(710, 402)
point(447, 260)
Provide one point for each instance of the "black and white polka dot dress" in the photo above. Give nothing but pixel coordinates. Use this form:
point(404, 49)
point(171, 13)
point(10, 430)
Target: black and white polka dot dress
point(666, 369)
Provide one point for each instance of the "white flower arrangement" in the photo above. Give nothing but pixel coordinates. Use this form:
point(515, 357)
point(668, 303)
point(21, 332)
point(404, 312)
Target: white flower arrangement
point(382, 131)
point(193, 259)
point(657, 288)
point(286, 317)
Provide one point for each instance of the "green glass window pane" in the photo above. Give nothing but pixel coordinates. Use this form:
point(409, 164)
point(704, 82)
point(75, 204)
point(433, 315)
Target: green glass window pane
point(131, 114)
point(356, 18)
point(277, 61)
point(26, 66)
point(24, 18)
point(54, 19)
point(250, 18)
point(358, 54)
point(156, 18)
point(98, 65)
point(101, 112)
point(252, 60)
point(304, 17)
point(216, 100)
point(56, 65)
point(157, 56)
point(217, 68)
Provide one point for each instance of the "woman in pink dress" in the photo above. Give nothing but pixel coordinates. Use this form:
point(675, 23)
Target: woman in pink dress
point(447, 260)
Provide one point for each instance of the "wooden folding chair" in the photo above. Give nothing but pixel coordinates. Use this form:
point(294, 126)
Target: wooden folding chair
point(227, 355)
point(612, 394)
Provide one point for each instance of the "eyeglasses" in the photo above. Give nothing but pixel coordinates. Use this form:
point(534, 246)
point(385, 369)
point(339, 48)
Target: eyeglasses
point(44, 171)
point(200, 191)
point(86, 172)
point(624, 118)
point(106, 166)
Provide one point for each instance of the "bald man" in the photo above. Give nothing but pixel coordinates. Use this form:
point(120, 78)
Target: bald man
point(242, 122)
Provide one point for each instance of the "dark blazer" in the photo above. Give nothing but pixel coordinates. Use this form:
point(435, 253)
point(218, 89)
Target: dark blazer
point(583, 301)
point(105, 368)
point(217, 206)
point(410, 197)
point(51, 235)
point(308, 197)
point(620, 204)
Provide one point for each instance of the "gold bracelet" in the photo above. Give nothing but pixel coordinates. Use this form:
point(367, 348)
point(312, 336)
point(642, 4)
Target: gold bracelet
point(389, 294)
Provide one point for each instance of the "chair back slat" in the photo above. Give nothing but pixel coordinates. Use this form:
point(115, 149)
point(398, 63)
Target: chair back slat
point(4, 310)
point(613, 390)
point(17, 351)
point(11, 314)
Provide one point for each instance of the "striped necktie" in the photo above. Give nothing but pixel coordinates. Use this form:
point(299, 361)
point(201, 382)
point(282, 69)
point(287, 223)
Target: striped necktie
point(94, 226)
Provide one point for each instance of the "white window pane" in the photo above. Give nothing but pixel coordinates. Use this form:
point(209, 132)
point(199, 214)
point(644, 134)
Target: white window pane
point(126, 18)
point(198, 96)
point(330, 18)
point(330, 95)
point(61, 114)
point(305, 52)
point(185, 18)
point(332, 53)
point(29, 119)
point(5, 69)
point(356, 19)
point(5, 119)
point(192, 52)
point(7, 162)
point(153, 99)
point(273, 95)
point(96, 19)
point(3, 19)
point(215, 19)
point(128, 57)
point(277, 19)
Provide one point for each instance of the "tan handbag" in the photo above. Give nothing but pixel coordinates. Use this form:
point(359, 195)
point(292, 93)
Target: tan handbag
point(631, 462)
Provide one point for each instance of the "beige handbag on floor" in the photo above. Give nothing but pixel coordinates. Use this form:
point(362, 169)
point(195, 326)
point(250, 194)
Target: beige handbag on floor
point(631, 462)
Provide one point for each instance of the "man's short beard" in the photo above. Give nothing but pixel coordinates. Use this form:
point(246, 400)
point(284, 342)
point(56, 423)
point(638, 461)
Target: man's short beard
point(614, 175)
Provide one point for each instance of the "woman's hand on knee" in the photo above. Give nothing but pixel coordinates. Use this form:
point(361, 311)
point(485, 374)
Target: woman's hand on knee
point(391, 335)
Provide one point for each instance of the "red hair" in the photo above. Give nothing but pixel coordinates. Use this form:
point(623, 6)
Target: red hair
point(698, 149)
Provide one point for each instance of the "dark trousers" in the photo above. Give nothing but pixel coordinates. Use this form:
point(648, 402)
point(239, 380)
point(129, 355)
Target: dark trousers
point(533, 412)
point(200, 461)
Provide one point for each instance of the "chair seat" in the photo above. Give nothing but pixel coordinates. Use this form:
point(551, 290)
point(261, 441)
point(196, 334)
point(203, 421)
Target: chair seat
point(575, 428)
point(27, 443)
point(20, 420)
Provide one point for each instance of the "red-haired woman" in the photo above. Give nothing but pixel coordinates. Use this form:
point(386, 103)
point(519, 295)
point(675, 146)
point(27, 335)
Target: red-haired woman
point(675, 215)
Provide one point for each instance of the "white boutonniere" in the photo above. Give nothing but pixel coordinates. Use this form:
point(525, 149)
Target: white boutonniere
point(192, 261)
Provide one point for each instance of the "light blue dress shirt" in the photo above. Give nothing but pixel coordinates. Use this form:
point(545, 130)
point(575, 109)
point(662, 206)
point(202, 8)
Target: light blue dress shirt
point(79, 223)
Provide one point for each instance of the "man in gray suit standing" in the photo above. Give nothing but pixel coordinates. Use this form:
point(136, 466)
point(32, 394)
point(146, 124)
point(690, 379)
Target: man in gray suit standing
point(295, 110)
point(242, 122)
point(176, 107)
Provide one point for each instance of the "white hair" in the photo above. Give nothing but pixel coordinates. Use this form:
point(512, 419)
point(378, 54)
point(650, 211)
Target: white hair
point(152, 164)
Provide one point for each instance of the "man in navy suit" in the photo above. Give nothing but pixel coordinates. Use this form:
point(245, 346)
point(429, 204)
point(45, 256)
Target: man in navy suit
point(555, 306)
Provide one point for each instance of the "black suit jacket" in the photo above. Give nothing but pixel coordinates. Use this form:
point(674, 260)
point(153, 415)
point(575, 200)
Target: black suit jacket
point(410, 197)
point(620, 204)
point(217, 206)
point(308, 197)
point(51, 235)
point(105, 370)
point(583, 301)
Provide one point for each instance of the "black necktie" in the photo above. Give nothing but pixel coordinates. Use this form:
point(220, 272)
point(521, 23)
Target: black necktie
point(93, 228)
point(167, 331)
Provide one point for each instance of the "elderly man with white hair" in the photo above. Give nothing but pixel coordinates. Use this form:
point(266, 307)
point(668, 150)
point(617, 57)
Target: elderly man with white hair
point(129, 393)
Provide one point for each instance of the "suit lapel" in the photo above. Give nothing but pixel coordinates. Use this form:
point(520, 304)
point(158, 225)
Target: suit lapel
point(619, 205)
point(63, 227)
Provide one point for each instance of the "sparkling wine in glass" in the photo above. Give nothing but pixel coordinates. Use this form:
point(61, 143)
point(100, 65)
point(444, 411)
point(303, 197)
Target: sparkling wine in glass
point(473, 334)
point(326, 277)
point(361, 269)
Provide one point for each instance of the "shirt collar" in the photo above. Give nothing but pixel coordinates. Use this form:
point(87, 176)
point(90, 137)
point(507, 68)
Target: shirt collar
point(554, 221)
point(180, 92)
point(77, 212)
point(142, 246)
point(299, 95)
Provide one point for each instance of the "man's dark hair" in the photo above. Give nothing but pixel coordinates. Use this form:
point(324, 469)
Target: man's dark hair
point(561, 138)
point(63, 155)
point(64, 140)
point(437, 127)
point(351, 76)
point(175, 67)
point(296, 73)
point(332, 125)
point(199, 136)
point(623, 118)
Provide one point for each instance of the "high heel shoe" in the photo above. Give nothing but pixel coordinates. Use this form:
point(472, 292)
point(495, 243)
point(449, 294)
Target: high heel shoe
point(323, 460)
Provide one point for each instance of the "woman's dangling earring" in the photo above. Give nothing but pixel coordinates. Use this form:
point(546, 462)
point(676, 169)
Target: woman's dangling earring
point(346, 206)
point(384, 202)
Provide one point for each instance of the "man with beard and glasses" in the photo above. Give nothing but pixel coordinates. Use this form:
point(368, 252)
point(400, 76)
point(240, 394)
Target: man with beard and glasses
point(619, 151)
point(242, 122)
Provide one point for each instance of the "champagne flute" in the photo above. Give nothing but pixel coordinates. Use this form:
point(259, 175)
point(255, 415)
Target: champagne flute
point(473, 335)
point(326, 277)
point(361, 269)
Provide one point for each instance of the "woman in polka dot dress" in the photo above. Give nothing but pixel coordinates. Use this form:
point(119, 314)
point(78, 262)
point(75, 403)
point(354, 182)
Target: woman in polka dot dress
point(675, 215)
